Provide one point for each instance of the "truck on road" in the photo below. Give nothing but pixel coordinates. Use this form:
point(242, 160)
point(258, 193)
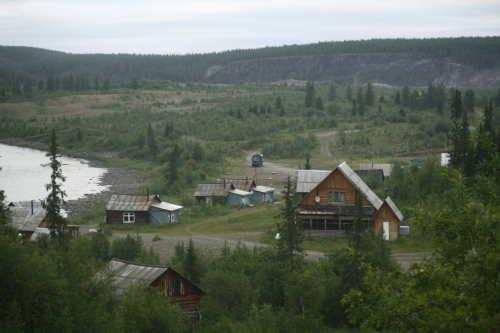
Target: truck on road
point(257, 160)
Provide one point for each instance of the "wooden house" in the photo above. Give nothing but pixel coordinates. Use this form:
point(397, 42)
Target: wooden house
point(238, 197)
point(26, 217)
point(208, 192)
point(179, 289)
point(124, 209)
point(262, 194)
point(331, 206)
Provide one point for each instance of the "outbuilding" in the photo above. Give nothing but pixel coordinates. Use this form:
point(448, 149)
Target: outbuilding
point(125, 208)
point(262, 194)
point(164, 213)
point(238, 197)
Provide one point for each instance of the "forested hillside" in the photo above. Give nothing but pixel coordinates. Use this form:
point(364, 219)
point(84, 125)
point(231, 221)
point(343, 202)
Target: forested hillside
point(472, 53)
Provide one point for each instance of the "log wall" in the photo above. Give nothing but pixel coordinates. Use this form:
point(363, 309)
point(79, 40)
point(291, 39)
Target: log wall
point(116, 217)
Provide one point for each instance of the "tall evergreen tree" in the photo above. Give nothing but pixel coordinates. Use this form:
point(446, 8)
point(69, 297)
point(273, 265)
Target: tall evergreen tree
point(397, 99)
point(191, 265)
point(106, 85)
point(332, 92)
point(197, 152)
point(172, 165)
point(27, 88)
point(439, 107)
point(135, 84)
point(57, 83)
point(469, 100)
point(454, 135)
point(369, 95)
point(153, 147)
point(307, 166)
point(348, 94)
point(405, 96)
point(354, 109)
point(290, 234)
point(309, 99)
point(55, 199)
point(414, 99)
point(319, 103)
point(71, 85)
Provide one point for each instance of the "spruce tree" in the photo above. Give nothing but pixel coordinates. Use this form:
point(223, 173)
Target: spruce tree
point(369, 95)
point(96, 83)
point(172, 165)
point(469, 100)
point(332, 92)
point(397, 99)
point(50, 84)
point(348, 93)
point(153, 147)
point(319, 103)
point(309, 99)
point(56, 223)
point(405, 96)
point(354, 110)
point(106, 85)
point(191, 265)
point(454, 134)
point(307, 166)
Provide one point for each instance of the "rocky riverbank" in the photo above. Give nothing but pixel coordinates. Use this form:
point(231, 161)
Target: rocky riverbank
point(118, 180)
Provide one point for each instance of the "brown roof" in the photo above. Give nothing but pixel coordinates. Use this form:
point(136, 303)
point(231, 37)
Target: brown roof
point(133, 203)
point(239, 184)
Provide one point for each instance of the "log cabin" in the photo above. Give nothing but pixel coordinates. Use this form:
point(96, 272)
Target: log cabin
point(329, 208)
point(180, 290)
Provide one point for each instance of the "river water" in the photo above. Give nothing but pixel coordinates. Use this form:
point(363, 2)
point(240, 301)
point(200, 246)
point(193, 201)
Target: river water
point(25, 172)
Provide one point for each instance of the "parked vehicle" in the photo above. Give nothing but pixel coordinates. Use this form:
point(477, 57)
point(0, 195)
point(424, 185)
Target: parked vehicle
point(257, 160)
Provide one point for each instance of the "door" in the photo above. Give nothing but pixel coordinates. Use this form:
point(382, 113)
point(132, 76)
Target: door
point(385, 226)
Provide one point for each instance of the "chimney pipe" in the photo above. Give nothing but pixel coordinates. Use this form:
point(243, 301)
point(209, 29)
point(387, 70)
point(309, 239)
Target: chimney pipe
point(147, 191)
point(31, 207)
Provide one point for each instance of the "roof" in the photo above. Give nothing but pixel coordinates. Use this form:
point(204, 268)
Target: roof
point(307, 180)
point(166, 206)
point(394, 208)
point(135, 203)
point(36, 204)
point(39, 231)
point(212, 190)
point(240, 192)
point(23, 220)
point(239, 184)
point(386, 167)
point(360, 184)
point(263, 189)
point(366, 173)
point(126, 273)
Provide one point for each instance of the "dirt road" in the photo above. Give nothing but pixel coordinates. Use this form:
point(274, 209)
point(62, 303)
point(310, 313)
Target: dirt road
point(266, 171)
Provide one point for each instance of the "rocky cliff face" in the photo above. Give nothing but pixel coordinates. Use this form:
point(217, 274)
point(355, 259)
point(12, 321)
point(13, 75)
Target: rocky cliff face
point(391, 69)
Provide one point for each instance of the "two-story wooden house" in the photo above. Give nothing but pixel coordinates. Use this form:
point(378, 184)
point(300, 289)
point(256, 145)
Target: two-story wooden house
point(330, 204)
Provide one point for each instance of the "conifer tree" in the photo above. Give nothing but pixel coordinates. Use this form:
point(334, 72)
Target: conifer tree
point(354, 110)
point(40, 85)
point(309, 99)
point(56, 223)
point(332, 92)
point(348, 93)
point(106, 85)
point(135, 85)
point(27, 88)
point(369, 95)
point(307, 166)
point(172, 165)
point(197, 152)
point(96, 83)
point(57, 83)
point(191, 265)
point(469, 100)
point(50, 84)
point(319, 103)
point(397, 99)
point(454, 135)
point(405, 96)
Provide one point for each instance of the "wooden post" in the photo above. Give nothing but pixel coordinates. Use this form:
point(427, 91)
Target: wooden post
point(325, 224)
point(340, 224)
point(310, 224)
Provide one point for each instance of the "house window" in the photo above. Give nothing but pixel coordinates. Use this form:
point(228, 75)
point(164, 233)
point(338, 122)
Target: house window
point(128, 217)
point(336, 197)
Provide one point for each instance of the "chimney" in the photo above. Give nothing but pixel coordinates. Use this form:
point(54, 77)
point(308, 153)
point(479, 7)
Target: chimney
point(31, 207)
point(147, 191)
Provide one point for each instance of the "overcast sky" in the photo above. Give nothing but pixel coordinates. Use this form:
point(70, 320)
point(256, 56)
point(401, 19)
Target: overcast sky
point(193, 26)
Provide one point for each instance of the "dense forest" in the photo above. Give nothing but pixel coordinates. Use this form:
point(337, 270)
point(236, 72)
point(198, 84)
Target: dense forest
point(27, 63)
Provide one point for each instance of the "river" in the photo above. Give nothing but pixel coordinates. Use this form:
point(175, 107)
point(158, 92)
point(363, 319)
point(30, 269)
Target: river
point(25, 172)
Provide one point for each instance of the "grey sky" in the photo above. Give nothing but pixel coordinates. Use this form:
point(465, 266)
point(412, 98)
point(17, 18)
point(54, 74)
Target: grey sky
point(193, 26)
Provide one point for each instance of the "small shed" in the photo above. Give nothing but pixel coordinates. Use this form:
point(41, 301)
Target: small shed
point(164, 213)
point(124, 208)
point(180, 290)
point(209, 191)
point(262, 194)
point(238, 197)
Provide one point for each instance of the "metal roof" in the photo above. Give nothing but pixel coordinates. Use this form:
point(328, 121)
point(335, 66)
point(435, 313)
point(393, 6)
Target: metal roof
point(166, 206)
point(212, 190)
point(386, 167)
point(307, 180)
point(126, 273)
point(239, 184)
point(23, 220)
point(240, 192)
point(36, 204)
point(360, 184)
point(135, 203)
point(263, 189)
point(394, 208)
point(39, 231)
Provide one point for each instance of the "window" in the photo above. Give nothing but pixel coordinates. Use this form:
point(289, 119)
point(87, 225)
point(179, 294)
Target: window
point(172, 217)
point(128, 217)
point(336, 197)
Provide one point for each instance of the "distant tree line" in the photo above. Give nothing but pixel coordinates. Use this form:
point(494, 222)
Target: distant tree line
point(25, 63)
